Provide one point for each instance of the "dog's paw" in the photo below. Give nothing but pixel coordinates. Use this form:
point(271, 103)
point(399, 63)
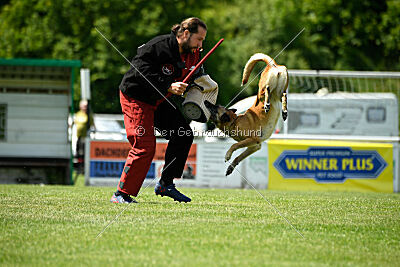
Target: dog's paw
point(229, 170)
point(284, 114)
point(267, 107)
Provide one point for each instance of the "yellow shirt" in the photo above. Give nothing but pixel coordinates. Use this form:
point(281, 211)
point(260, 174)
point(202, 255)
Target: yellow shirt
point(81, 119)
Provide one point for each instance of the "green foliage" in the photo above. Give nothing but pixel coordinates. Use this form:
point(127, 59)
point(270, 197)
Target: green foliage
point(67, 30)
point(258, 26)
point(346, 35)
point(342, 35)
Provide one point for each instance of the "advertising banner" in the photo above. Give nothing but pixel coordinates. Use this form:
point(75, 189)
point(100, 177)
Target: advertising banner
point(330, 165)
point(107, 159)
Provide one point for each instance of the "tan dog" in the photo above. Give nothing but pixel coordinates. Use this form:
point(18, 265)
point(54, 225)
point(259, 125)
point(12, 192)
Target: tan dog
point(258, 122)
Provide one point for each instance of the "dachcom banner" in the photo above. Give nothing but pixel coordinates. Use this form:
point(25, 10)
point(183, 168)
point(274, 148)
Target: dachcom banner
point(107, 159)
point(330, 166)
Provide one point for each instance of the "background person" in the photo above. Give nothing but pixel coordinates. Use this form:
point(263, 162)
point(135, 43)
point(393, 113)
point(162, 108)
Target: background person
point(81, 122)
point(164, 61)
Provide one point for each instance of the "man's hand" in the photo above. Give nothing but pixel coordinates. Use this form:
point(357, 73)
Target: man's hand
point(177, 88)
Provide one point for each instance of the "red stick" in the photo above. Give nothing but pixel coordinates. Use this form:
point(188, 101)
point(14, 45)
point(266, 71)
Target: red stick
point(202, 60)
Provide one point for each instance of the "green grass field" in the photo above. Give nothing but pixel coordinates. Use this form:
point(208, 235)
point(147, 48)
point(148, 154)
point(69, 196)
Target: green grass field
point(58, 225)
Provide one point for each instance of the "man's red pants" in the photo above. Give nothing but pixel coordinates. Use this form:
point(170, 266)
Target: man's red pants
point(140, 119)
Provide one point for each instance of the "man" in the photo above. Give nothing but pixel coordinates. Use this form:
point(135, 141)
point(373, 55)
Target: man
point(160, 66)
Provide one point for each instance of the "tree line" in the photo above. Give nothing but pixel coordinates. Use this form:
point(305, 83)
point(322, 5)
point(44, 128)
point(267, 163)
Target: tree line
point(339, 35)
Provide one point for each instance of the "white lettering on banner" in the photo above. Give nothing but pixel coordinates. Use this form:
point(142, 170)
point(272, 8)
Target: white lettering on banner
point(330, 164)
point(231, 132)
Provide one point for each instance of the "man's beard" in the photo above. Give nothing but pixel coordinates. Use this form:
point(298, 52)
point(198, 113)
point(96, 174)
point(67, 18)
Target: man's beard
point(186, 48)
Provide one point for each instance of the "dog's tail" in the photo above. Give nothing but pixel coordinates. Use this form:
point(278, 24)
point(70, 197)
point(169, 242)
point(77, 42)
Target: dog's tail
point(252, 62)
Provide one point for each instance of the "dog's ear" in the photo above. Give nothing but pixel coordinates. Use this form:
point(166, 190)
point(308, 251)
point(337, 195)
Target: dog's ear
point(233, 110)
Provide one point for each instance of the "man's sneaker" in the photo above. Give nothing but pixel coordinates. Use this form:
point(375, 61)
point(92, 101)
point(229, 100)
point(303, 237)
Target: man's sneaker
point(171, 191)
point(125, 199)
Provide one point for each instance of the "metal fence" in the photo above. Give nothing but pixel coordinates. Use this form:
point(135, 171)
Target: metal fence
point(310, 81)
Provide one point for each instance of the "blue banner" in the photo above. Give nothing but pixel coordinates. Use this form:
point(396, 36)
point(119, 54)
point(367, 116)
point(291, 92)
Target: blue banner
point(101, 169)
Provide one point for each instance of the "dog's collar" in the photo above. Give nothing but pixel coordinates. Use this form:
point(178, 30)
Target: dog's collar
point(232, 124)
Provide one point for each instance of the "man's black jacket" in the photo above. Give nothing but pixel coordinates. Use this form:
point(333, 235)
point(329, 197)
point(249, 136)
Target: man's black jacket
point(160, 62)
